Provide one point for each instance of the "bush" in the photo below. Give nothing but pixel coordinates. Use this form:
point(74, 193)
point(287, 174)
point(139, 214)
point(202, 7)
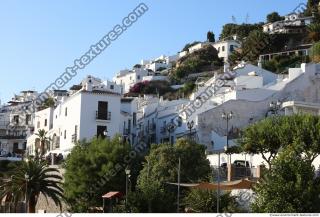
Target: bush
point(205, 201)
point(193, 63)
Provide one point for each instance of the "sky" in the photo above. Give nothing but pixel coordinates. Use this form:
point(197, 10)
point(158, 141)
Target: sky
point(40, 38)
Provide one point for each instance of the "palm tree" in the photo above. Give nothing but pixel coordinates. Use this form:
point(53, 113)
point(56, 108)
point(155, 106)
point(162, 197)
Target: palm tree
point(42, 135)
point(29, 180)
point(314, 32)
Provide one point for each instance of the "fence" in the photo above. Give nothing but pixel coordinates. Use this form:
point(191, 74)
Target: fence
point(12, 208)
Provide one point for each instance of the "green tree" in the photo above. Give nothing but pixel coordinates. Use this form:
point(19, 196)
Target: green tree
point(262, 138)
point(44, 140)
point(312, 6)
point(211, 37)
point(254, 45)
point(93, 169)
point(315, 52)
point(161, 168)
point(42, 180)
point(188, 87)
point(273, 17)
point(314, 32)
point(205, 201)
point(268, 136)
point(289, 187)
point(242, 30)
point(48, 103)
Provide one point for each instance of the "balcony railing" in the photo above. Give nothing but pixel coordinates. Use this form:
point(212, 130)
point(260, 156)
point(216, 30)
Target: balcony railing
point(13, 137)
point(74, 138)
point(104, 117)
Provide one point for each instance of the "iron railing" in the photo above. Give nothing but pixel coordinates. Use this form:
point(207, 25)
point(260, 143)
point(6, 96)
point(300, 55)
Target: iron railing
point(105, 117)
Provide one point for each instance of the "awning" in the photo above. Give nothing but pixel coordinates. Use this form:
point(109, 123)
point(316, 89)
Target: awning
point(112, 194)
point(56, 151)
point(234, 185)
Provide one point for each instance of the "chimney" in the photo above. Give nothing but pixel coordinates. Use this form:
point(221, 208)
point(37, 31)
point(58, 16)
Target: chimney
point(88, 84)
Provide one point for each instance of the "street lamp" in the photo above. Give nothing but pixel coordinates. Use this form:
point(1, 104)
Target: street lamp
point(190, 126)
point(27, 177)
point(128, 172)
point(227, 117)
point(170, 128)
point(275, 107)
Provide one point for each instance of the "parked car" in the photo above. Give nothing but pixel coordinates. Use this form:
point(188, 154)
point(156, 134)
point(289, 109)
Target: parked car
point(241, 163)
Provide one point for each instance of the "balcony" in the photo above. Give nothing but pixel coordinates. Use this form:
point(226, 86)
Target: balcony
point(152, 127)
point(18, 137)
point(103, 116)
point(126, 132)
point(163, 130)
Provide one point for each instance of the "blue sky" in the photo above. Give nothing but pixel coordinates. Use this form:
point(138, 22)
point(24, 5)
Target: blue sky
point(40, 38)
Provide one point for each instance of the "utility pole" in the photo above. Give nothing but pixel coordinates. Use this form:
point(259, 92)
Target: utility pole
point(218, 191)
point(148, 174)
point(179, 177)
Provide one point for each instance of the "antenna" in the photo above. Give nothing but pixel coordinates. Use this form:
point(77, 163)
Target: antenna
point(247, 18)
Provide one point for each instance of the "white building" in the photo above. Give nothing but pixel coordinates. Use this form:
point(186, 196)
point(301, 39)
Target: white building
point(299, 92)
point(16, 123)
point(93, 110)
point(226, 47)
point(197, 47)
point(127, 78)
point(293, 23)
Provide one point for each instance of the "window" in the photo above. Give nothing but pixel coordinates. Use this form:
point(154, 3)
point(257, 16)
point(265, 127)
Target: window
point(28, 119)
point(111, 87)
point(16, 119)
point(15, 147)
point(65, 134)
point(102, 113)
point(101, 131)
point(76, 129)
point(134, 119)
point(38, 124)
point(138, 77)
point(218, 49)
point(223, 48)
point(231, 48)
point(129, 126)
point(66, 112)
point(45, 122)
